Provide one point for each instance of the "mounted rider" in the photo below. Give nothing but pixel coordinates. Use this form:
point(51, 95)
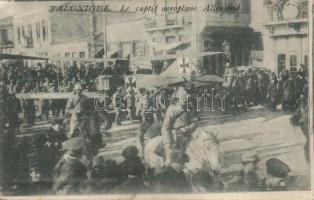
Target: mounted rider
point(78, 107)
point(177, 125)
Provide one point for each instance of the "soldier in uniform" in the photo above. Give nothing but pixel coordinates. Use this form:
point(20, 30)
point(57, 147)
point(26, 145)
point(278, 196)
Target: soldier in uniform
point(130, 101)
point(133, 170)
point(78, 107)
point(45, 154)
point(70, 173)
point(7, 136)
point(117, 103)
point(247, 179)
point(272, 92)
point(142, 103)
point(177, 126)
point(277, 173)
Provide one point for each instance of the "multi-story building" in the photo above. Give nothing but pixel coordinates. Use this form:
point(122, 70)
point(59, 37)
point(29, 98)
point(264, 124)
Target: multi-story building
point(132, 44)
point(197, 32)
point(43, 33)
point(285, 34)
point(6, 35)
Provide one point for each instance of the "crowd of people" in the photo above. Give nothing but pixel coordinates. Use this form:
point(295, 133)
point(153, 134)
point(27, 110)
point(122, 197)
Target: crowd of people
point(65, 160)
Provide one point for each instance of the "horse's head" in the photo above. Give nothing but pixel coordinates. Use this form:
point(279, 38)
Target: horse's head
point(210, 144)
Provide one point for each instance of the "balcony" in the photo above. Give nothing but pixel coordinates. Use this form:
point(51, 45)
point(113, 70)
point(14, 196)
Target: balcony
point(163, 22)
point(228, 19)
point(280, 14)
point(6, 44)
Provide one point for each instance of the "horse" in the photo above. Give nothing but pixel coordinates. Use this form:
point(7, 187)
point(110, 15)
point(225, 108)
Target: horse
point(203, 151)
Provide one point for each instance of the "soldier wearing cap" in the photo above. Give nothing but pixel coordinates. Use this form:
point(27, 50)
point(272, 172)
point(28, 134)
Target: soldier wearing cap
point(133, 170)
point(247, 179)
point(172, 178)
point(78, 107)
point(277, 173)
point(130, 154)
point(70, 173)
point(177, 125)
point(45, 149)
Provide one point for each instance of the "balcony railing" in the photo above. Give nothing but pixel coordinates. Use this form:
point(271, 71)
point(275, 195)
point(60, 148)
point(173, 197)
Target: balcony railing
point(6, 44)
point(227, 19)
point(276, 12)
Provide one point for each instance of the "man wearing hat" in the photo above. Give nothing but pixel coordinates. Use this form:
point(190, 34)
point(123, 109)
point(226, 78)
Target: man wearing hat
point(78, 108)
point(177, 125)
point(70, 173)
point(277, 173)
point(46, 149)
point(172, 178)
point(133, 171)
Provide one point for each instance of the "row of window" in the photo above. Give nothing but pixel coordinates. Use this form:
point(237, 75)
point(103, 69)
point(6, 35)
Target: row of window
point(169, 39)
point(25, 33)
point(81, 54)
point(293, 61)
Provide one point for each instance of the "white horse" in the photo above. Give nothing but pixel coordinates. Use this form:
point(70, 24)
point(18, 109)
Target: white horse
point(203, 151)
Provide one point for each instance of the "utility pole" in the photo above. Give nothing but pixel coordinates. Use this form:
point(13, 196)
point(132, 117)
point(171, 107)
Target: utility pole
point(92, 30)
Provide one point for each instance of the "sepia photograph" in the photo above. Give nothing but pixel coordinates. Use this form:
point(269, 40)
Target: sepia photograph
point(155, 97)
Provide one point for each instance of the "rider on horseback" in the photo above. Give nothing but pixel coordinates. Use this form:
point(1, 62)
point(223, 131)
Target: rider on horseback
point(177, 125)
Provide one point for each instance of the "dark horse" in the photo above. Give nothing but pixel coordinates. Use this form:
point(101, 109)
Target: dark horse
point(236, 93)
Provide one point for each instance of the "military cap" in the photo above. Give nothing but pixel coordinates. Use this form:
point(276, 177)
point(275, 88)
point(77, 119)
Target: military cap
point(130, 152)
point(74, 143)
point(250, 157)
point(277, 168)
point(179, 156)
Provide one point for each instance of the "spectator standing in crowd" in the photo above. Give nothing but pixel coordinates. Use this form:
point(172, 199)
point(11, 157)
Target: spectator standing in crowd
point(247, 179)
point(142, 103)
point(276, 177)
point(272, 92)
point(70, 174)
point(133, 169)
point(130, 102)
point(78, 108)
point(117, 103)
point(172, 178)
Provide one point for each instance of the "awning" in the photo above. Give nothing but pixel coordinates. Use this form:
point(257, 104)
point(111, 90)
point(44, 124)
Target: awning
point(165, 46)
point(24, 57)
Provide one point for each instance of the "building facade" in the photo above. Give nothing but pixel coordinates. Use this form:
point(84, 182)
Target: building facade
point(196, 32)
point(58, 34)
point(285, 34)
point(6, 35)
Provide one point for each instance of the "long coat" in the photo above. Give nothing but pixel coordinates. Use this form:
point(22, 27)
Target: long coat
point(78, 108)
